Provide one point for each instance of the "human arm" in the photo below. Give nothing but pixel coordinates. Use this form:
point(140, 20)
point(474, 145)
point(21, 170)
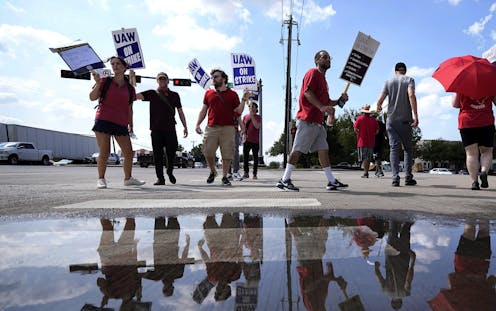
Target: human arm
point(184, 255)
point(378, 274)
point(95, 92)
point(254, 120)
point(183, 121)
point(203, 253)
point(409, 274)
point(310, 96)
point(413, 104)
point(130, 119)
point(140, 96)
point(201, 117)
point(246, 95)
point(381, 99)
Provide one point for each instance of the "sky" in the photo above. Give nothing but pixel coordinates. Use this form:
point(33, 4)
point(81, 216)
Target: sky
point(420, 33)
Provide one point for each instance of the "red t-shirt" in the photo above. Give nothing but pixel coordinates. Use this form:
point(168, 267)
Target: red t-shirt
point(252, 133)
point(221, 113)
point(475, 112)
point(367, 127)
point(314, 81)
point(115, 107)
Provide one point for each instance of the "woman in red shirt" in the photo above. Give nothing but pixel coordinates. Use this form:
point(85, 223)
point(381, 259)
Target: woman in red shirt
point(476, 125)
point(114, 117)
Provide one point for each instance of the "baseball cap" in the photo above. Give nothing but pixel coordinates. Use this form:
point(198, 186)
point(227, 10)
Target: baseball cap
point(400, 66)
point(162, 74)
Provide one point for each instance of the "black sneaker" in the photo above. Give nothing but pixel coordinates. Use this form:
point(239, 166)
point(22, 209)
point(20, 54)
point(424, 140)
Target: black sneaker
point(396, 183)
point(335, 185)
point(286, 185)
point(365, 176)
point(159, 182)
point(225, 182)
point(211, 177)
point(475, 185)
point(483, 178)
point(410, 182)
point(172, 178)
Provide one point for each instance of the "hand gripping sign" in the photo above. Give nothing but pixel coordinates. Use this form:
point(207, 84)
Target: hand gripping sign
point(79, 56)
point(199, 75)
point(127, 46)
point(243, 71)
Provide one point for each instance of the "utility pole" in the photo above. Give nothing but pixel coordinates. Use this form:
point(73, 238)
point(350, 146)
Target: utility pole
point(260, 104)
point(287, 116)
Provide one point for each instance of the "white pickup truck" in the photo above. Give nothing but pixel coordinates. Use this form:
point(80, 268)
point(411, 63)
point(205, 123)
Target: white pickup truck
point(14, 152)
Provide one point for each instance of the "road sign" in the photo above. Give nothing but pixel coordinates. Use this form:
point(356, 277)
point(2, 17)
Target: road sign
point(361, 55)
point(181, 82)
point(127, 46)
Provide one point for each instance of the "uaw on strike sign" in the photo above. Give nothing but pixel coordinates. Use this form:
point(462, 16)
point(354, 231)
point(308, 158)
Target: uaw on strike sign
point(243, 71)
point(127, 45)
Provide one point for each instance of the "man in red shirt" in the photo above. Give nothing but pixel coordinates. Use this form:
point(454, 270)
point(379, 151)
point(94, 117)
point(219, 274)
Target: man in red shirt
point(222, 105)
point(366, 127)
point(310, 134)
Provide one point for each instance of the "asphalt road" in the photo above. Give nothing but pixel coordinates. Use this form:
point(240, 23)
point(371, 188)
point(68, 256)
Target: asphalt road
point(40, 191)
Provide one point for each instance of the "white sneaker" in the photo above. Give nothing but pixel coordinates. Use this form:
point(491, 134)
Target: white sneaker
point(101, 183)
point(237, 177)
point(133, 182)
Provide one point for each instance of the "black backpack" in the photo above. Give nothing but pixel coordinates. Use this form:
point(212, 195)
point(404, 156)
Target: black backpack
point(106, 86)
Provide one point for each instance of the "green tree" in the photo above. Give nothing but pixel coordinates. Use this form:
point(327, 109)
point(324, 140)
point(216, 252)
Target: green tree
point(197, 152)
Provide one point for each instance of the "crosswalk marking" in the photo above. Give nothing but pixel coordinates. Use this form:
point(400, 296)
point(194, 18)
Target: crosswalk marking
point(192, 203)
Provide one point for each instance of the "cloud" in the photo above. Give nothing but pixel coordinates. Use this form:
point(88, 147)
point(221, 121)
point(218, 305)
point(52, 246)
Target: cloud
point(429, 85)
point(185, 35)
point(11, 35)
point(7, 119)
point(454, 2)
point(14, 8)
point(312, 12)
point(420, 72)
point(477, 27)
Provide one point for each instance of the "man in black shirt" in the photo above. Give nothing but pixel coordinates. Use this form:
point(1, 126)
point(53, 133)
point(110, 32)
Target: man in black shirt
point(163, 105)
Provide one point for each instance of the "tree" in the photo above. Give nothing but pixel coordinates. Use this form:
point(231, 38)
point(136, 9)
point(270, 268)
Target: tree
point(439, 151)
point(197, 152)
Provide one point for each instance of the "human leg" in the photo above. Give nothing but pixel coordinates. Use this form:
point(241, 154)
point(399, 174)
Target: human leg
point(472, 161)
point(170, 149)
point(235, 160)
point(246, 156)
point(127, 151)
point(103, 142)
point(394, 155)
point(158, 155)
point(255, 148)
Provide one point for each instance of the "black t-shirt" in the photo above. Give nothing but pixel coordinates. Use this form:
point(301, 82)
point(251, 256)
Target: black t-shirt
point(162, 114)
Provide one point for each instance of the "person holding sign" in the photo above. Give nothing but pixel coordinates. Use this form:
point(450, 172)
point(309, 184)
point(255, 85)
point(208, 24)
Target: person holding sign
point(114, 117)
point(163, 105)
point(251, 138)
point(311, 135)
point(223, 106)
point(402, 116)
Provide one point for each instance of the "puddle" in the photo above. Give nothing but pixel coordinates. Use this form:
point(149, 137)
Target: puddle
point(247, 262)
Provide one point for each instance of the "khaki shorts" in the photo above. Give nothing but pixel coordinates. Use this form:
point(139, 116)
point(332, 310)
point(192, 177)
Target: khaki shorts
point(216, 136)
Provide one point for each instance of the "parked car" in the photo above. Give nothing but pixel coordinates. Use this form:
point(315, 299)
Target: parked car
point(15, 152)
point(440, 171)
point(343, 165)
point(113, 158)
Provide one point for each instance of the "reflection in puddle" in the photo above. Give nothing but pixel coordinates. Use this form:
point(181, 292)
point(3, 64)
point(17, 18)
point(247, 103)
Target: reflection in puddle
point(245, 262)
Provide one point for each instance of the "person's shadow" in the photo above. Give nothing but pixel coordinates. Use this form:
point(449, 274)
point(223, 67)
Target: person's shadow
point(119, 262)
point(400, 262)
point(168, 267)
point(469, 286)
point(224, 264)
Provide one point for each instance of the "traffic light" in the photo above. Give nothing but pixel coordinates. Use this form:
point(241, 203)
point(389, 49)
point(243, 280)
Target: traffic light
point(69, 74)
point(181, 82)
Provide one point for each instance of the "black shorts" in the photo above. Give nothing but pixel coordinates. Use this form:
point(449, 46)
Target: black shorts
point(483, 136)
point(110, 128)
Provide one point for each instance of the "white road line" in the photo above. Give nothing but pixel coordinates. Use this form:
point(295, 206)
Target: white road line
point(192, 203)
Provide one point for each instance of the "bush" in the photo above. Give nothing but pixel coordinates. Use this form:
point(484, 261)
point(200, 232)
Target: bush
point(274, 164)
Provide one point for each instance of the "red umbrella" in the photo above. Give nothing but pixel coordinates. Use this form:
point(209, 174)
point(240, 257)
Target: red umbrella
point(468, 75)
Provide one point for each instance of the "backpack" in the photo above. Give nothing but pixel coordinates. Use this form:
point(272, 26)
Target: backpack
point(106, 86)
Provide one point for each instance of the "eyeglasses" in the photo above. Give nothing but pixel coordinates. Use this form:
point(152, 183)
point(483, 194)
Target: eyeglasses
point(162, 78)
